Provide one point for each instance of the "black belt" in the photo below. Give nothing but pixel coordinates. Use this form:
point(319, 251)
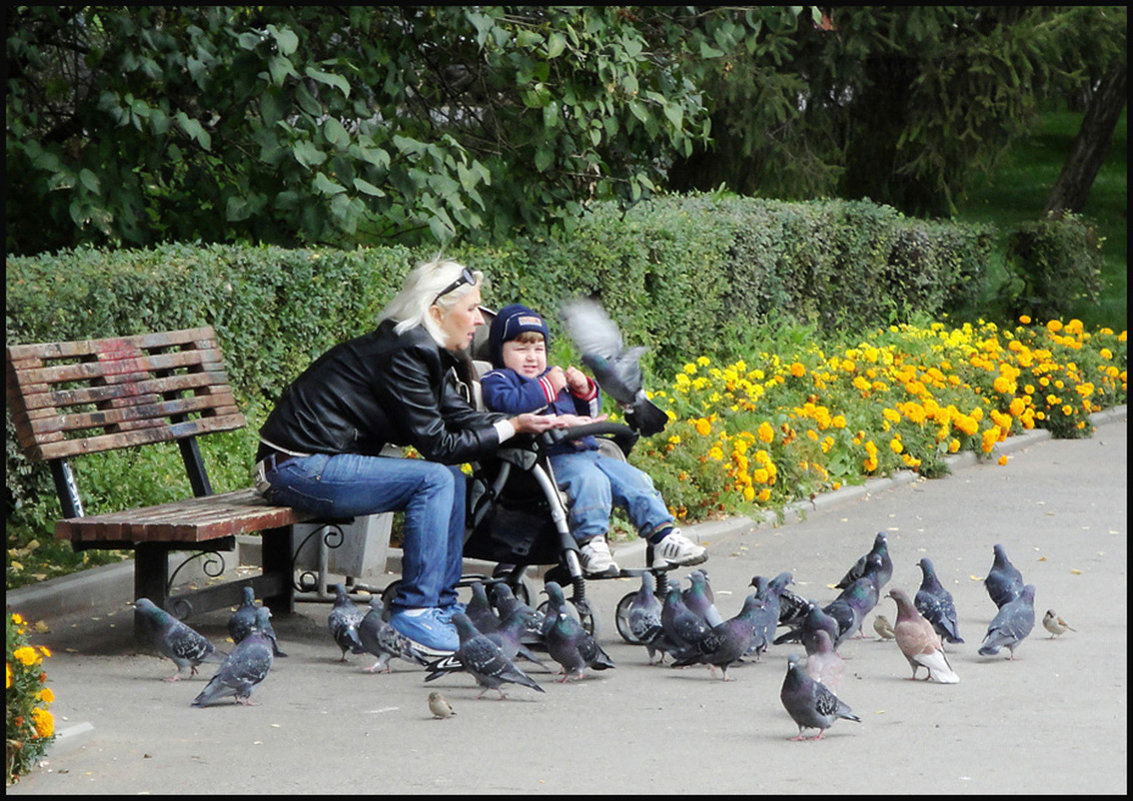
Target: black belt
point(275, 458)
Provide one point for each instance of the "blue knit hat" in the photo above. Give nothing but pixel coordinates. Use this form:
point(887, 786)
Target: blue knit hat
point(510, 322)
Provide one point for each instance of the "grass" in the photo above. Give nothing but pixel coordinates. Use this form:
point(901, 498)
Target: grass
point(1016, 191)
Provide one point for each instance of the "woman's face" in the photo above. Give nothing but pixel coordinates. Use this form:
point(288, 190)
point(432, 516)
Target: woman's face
point(459, 323)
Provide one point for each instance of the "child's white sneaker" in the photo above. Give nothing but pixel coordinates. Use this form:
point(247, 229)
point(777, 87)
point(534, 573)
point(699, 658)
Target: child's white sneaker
point(677, 549)
point(596, 558)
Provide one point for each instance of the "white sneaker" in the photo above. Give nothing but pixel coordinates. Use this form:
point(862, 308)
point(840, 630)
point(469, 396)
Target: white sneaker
point(677, 549)
point(596, 558)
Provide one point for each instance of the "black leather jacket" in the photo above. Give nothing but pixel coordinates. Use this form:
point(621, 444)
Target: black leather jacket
point(382, 388)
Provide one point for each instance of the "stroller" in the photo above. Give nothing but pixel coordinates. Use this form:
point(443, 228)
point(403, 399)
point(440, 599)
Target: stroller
point(518, 518)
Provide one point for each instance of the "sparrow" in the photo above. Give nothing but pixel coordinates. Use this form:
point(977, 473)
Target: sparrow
point(883, 627)
point(439, 706)
point(1055, 625)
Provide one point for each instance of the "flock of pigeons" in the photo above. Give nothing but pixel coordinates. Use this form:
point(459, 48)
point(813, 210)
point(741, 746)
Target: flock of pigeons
point(680, 623)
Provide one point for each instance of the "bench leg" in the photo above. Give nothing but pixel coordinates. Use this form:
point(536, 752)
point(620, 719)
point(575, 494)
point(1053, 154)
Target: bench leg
point(276, 561)
point(151, 577)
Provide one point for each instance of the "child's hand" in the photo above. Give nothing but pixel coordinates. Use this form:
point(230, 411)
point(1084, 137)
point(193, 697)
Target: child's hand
point(577, 381)
point(557, 378)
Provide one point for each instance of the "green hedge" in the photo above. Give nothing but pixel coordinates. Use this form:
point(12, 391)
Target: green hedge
point(685, 275)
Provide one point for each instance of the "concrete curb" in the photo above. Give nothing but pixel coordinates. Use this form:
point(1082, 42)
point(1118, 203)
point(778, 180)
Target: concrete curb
point(107, 585)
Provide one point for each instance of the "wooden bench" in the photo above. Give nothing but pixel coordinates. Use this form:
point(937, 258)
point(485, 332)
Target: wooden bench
point(67, 399)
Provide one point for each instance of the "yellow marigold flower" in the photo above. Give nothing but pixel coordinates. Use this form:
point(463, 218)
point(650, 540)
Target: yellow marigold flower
point(46, 695)
point(675, 439)
point(703, 427)
point(703, 361)
point(990, 437)
point(17, 619)
point(46, 651)
point(812, 435)
point(764, 495)
point(1018, 405)
point(44, 722)
point(895, 445)
point(1002, 460)
point(760, 476)
point(7, 676)
point(870, 448)
point(716, 454)
point(797, 370)
point(689, 368)
point(1067, 410)
point(1085, 390)
point(870, 464)
point(892, 415)
point(749, 494)
point(1024, 319)
point(25, 655)
point(953, 445)
point(1054, 326)
point(1106, 353)
point(766, 432)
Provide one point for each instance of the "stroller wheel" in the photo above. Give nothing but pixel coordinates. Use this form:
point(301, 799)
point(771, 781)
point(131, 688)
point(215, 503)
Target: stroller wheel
point(621, 619)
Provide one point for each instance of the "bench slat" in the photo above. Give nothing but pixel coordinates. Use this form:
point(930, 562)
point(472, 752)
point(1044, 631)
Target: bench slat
point(85, 347)
point(74, 447)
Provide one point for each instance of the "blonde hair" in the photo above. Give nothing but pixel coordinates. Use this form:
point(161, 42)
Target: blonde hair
point(410, 306)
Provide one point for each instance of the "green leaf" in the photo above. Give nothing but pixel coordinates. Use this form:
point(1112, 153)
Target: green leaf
point(326, 186)
point(368, 188)
point(708, 51)
point(335, 133)
point(89, 180)
point(195, 130)
point(307, 154)
point(556, 43)
point(330, 79)
point(545, 157)
point(279, 68)
point(285, 40)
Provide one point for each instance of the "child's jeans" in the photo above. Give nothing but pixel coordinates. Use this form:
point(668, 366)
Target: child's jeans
point(595, 483)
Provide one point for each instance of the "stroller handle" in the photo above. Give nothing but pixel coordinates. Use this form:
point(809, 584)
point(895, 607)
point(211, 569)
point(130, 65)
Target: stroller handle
point(622, 435)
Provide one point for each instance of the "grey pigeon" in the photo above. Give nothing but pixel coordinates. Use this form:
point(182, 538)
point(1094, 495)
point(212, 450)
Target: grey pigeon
point(480, 611)
point(385, 642)
point(1011, 624)
point(810, 703)
point(852, 605)
point(507, 602)
point(681, 626)
point(509, 636)
point(792, 608)
point(574, 648)
point(343, 622)
point(644, 617)
point(245, 667)
point(816, 618)
point(823, 663)
point(617, 369)
point(178, 641)
point(1004, 582)
point(767, 617)
point(724, 643)
point(884, 570)
point(244, 619)
point(482, 659)
point(936, 604)
point(698, 598)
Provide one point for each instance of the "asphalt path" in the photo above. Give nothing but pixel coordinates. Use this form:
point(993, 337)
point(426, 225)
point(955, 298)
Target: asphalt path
point(1053, 720)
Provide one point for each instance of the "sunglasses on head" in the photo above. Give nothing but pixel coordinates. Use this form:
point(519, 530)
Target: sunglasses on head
point(466, 277)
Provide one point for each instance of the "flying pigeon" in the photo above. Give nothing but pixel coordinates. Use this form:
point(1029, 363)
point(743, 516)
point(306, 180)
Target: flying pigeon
point(1011, 624)
point(483, 660)
point(178, 641)
point(936, 604)
point(1055, 624)
point(644, 617)
point(244, 618)
point(883, 627)
point(823, 663)
point(698, 598)
point(380, 638)
point(919, 641)
point(572, 646)
point(617, 369)
point(1004, 582)
point(245, 667)
point(343, 622)
point(862, 566)
point(440, 706)
point(724, 643)
point(810, 703)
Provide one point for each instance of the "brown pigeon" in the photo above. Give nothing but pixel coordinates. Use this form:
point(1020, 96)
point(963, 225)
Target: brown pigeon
point(919, 641)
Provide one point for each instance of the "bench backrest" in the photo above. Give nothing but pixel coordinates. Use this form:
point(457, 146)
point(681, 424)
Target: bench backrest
point(71, 398)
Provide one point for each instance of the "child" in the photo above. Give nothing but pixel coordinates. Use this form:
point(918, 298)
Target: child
point(522, 382)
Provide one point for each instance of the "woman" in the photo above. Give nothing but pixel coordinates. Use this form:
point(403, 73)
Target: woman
point(405, 383)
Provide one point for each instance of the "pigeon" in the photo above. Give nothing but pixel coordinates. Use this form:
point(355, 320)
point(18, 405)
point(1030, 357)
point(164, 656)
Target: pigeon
point(244, 618)
point(506, 602)
point(792, 608)
point(936, 604)
point(482, 659)
point(245, 667)
point(617, 369)
point(852, 605)
point(573, 647)
point(1011, 624)
point(480, 610)
point(883, 627)
point(816, 618)
point(681, 626)
point(861, 567)
point(178, 641)
point(725, 642)
point(810, 703)
point(1004, 582)
point(385, 642)
point(919, 641)
point(343, 622)
point(509, 636)
point(1055, 624)
point(698, 597)
point(644, 617)
point(440, 706)
point(767, 616)
point(823, 663)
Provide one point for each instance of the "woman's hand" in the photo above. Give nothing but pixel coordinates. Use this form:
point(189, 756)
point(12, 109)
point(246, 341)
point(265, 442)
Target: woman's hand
point(530, 423)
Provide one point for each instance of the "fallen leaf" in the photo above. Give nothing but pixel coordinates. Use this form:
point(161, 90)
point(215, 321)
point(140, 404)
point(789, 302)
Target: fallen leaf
point(1076, 571)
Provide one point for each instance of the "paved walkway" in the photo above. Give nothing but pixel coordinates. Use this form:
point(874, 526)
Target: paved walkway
point(1052, 721)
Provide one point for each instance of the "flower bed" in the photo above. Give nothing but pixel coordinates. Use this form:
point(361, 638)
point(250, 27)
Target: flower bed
point(30, 727)
point(805, 418)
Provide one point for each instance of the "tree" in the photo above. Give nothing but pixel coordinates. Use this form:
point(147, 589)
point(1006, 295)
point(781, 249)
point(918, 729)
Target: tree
point(343, 125)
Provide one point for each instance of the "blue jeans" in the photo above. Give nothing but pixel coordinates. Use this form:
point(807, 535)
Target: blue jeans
point(595, 483)
point(430, 494)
